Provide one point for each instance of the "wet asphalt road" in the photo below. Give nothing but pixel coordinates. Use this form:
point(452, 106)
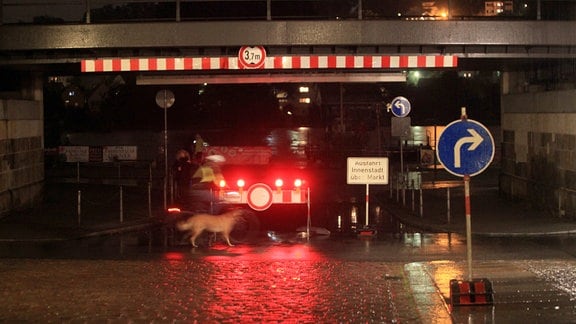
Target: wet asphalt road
point(393, 278)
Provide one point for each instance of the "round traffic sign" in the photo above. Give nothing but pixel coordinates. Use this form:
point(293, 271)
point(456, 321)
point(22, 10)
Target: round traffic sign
point(260, 196)
point(251, 57)
point(465, 147)
point(400, 107)
point(165, 98)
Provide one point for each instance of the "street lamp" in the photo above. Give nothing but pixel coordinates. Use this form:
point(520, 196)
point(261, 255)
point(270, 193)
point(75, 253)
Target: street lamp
point(165, 99)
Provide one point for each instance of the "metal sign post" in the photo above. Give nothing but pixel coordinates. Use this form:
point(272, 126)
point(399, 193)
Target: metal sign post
point(468, 224)
point(466, 148)
point(361, 170)
point(165, 99)
point(401, 107)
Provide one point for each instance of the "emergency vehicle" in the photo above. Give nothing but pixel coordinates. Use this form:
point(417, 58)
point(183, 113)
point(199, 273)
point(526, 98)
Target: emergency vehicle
point(276, 196)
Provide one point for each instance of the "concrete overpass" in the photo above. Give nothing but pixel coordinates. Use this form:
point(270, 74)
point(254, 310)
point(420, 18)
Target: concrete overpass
point(478, 43)
point(536, 57)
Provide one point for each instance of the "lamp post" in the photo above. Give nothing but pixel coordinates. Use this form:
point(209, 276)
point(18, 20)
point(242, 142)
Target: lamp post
point(165, 99)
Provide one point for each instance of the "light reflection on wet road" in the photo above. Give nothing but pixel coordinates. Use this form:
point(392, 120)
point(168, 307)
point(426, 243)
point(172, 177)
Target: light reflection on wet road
point(393, 278)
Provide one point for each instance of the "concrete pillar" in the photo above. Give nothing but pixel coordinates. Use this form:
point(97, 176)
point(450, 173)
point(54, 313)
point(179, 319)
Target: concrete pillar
point(22, 146)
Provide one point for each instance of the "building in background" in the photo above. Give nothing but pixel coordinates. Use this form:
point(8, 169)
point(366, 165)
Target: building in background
point(495, 8)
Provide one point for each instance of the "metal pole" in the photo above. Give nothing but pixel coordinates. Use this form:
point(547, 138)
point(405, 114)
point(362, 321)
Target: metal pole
point(121, 190)
point(177, 10)
point(448, 218)
point(412, 191)
point(88, 16)
point(468, 224)
point(149, 199)
point(150, 190)
point(268, 10)
point(367, 204)
point(403, 192)
point(79, 207)
point(435, 155)
point(403, 181)
point(421, 204)
point(79, 195)
point(308, 221)
point(560, 203)
point(402, 159)
point(121, 204)
point(171, 185)
point(378, 128)
point(397, 189)
point(165, 148)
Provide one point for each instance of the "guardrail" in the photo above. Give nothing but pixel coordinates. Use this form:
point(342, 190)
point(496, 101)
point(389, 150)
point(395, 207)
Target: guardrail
point(100, 11)
point(122, 175)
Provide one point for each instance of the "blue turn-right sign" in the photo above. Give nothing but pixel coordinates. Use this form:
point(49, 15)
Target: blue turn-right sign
point(465, 147)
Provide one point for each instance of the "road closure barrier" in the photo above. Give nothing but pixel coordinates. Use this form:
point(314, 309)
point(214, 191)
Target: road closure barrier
point(471, 292)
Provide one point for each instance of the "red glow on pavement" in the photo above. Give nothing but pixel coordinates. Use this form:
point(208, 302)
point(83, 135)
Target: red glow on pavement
point(173, 256)
point(284, 286)
point(295, 252)
point(279, 252)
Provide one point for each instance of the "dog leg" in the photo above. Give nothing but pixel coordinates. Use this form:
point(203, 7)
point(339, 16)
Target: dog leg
point(212, 239)
point(227, 237)
point(193, 238)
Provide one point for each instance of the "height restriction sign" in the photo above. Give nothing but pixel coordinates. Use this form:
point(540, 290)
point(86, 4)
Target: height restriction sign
point(251, 57)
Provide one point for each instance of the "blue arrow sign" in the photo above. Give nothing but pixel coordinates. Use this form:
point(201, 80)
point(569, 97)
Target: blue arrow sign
point(400, 107)
point(465, 147)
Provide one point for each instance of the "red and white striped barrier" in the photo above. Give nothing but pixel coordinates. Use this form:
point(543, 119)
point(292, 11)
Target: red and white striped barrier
point(260, 196)
point(301, 62)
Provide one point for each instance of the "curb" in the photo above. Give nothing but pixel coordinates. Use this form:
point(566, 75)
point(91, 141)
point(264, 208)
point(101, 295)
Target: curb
point(438, 228)
point(77, 234)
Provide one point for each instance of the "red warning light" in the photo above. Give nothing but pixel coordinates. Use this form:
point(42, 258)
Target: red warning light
point(298, 183)
point(240, 183)
point(279, 183)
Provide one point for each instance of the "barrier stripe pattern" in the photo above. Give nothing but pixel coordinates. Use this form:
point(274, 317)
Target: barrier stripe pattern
point(271, 63)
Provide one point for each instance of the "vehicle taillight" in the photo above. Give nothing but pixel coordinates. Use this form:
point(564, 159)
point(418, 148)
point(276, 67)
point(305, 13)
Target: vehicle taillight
point(240, 183)
point(173, 210)
point(222, 183)
point(298, 183)
point(279, 184)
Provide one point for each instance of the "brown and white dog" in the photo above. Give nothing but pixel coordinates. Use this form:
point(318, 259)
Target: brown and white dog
point(223, 223)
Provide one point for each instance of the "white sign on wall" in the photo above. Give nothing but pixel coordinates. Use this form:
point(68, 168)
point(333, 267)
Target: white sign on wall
point(74, 153)
point(119, 153)
point(367, 170)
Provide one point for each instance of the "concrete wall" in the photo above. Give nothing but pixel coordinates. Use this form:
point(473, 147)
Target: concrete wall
point(539, 148)
point(21, 147)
